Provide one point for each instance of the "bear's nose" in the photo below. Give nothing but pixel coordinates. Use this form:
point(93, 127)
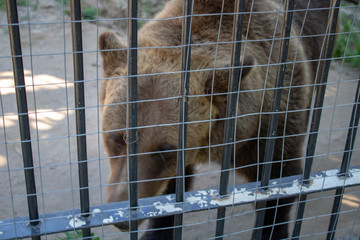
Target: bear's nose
point(124, 226)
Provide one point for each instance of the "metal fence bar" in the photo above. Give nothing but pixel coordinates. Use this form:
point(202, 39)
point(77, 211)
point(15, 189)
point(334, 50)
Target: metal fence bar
point(273, 121)
point(182, 202)
point(76, 31)
point(320, 93)
point(185, 82)
point(23, 117)
point(344, 170)
point(315, 121)
point(233, 86)
point(153, 207)
point(131, 113)
point(350, 140)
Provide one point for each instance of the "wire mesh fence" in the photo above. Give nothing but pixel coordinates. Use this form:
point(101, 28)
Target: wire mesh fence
point(219, 119)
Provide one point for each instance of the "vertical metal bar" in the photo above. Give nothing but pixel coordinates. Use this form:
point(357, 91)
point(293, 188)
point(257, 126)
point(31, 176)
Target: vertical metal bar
point(273, 121)
point(132, 111)
point(20, 89)
point(349, 146)
point(350, 140)
point(320, 93)
point(335, 213)
point(315, 121)
point(233, 87)
point(75, 13)
point(185, 80)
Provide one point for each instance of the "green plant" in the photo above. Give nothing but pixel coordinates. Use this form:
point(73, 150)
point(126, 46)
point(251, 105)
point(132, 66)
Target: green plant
point(347, 44)
point(21, 3)
point(89, 13)
point(67, 12)
point(148, 8)
point(75, 235)
point(65, 2)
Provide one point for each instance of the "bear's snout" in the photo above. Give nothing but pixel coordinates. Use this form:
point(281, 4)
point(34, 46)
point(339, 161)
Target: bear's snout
point(124, 226)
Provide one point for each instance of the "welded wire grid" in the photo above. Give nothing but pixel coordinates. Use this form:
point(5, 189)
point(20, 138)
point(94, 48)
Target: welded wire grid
point(53, 165)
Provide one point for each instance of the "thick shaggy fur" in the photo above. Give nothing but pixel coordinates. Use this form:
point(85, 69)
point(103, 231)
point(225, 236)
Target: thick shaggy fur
point(160, 53)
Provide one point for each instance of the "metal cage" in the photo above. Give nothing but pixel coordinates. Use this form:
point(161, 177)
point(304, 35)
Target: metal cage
point(85, 216)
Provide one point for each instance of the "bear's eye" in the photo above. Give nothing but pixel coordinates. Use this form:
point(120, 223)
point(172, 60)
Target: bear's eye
point(165, 152)
point(166, 146)
point(117, 139)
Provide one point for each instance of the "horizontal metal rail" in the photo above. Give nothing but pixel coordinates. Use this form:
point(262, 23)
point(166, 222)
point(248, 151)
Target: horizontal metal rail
point(166, 205)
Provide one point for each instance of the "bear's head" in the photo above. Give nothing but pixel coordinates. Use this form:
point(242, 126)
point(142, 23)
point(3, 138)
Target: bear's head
point(158, 109)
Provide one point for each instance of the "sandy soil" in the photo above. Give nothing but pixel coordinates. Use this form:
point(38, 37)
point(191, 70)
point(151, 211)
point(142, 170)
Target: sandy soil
point(48, 70)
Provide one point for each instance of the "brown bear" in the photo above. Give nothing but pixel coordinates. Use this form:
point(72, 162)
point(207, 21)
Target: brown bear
point(159, 70)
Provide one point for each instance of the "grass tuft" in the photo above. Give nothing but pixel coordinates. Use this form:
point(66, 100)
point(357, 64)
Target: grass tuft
point(89, 13)
point(348, 44)
point(34, 4)
point(75, 235)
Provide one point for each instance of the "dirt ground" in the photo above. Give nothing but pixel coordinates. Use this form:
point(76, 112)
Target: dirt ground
point(46, 45)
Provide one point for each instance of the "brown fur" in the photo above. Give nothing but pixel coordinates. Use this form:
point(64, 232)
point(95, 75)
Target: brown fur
point(160, 53)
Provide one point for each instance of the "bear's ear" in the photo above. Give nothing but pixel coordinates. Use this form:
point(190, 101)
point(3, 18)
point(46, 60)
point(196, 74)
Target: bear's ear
point(113, 52)
point(221, 80)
